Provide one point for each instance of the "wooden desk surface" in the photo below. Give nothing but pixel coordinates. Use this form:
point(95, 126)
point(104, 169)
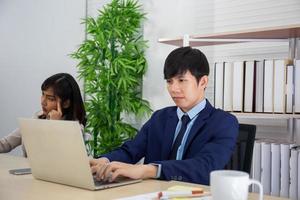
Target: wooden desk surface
point(25, 187)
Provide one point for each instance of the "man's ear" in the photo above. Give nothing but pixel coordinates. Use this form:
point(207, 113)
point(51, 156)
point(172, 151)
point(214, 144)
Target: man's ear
point(203, 81)
point(66, 104)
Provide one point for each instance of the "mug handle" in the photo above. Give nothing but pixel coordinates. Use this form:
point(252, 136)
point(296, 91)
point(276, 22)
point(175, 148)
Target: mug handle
point(252, 181)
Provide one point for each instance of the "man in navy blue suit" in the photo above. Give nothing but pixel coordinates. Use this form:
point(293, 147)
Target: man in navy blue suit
point(183, 142)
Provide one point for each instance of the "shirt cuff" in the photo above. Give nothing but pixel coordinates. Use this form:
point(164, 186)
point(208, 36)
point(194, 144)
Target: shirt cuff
point(158, 173)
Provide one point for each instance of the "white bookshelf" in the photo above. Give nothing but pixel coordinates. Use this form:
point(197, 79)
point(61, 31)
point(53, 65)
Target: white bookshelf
point(278, 33)
point(265, 115)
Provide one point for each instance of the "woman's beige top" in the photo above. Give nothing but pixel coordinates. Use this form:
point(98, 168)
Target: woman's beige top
point(11, 141)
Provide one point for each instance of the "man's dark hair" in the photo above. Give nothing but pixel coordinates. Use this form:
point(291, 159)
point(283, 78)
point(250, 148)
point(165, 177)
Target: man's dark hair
point(182, 59)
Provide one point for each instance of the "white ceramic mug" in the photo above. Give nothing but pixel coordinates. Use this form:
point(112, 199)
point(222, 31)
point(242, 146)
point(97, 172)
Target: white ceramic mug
point(232, 185)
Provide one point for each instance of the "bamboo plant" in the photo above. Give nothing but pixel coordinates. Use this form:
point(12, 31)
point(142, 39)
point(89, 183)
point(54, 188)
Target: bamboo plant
point(112, 63)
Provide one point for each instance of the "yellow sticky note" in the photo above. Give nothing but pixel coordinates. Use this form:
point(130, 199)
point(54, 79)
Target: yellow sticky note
point(184, 188)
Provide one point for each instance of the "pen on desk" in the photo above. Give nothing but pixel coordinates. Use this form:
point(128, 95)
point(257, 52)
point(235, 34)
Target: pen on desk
point(172, 194)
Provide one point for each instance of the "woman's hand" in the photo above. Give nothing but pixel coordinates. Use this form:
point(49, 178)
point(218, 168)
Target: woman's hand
point(56, 114)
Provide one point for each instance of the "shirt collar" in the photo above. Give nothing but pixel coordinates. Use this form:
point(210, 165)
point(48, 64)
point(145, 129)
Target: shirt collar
point(192, 112)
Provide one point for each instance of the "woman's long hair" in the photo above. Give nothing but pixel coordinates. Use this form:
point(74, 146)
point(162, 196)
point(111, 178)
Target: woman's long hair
point(66, 88)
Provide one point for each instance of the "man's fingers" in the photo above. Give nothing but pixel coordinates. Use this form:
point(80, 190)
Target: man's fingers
point(98, 167)
point(101, 171)
point(116, 174)
point(109, 170)
point(116, 169)
point(94, 169)
point(114, 166)
point(93, 162)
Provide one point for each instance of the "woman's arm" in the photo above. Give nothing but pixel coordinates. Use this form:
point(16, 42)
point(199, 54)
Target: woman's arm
point(10, 141)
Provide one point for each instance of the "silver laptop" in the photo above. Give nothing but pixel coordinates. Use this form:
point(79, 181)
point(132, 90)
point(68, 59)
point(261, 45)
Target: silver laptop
point(57, 153)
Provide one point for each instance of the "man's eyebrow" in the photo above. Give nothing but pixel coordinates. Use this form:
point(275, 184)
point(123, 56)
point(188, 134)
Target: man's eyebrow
point(177, 76)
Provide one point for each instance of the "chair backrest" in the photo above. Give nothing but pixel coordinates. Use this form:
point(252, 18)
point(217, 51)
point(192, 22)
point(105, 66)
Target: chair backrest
point(242, 156)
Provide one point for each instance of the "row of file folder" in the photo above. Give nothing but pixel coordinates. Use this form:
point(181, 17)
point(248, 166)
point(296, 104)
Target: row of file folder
point(270, 86)
point(276, 164)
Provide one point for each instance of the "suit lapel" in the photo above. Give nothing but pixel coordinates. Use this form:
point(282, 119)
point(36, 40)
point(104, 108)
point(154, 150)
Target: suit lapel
point(198, 124)
point(169, 134)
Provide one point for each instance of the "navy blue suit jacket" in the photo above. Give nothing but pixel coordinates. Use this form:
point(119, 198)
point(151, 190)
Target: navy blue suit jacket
point(209, 145)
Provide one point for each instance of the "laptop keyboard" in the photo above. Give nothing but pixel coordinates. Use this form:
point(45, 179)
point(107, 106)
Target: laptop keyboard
point(118, 180)
point(99, 183)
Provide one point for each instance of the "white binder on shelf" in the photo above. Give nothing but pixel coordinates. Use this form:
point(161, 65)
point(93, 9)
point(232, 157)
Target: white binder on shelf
point(238, 86)
point(259, 86)
point(268, 86)
point(294, 174)
point(256, 164)
point(228, 77)
point(219, 84)
point(297, 86)
point(275, 169)
point(249, 86)
point(289, 88)
point(298, 189)
point(266, 167)
point(285, 149)
point(279, 85)
point(297, 131)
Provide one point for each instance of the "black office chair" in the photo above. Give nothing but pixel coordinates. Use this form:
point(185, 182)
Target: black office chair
point(242, 155)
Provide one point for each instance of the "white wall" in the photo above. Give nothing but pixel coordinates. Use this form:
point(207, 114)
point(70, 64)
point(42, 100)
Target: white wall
point(165, 19)
point(93, 6)
point(35, 40)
